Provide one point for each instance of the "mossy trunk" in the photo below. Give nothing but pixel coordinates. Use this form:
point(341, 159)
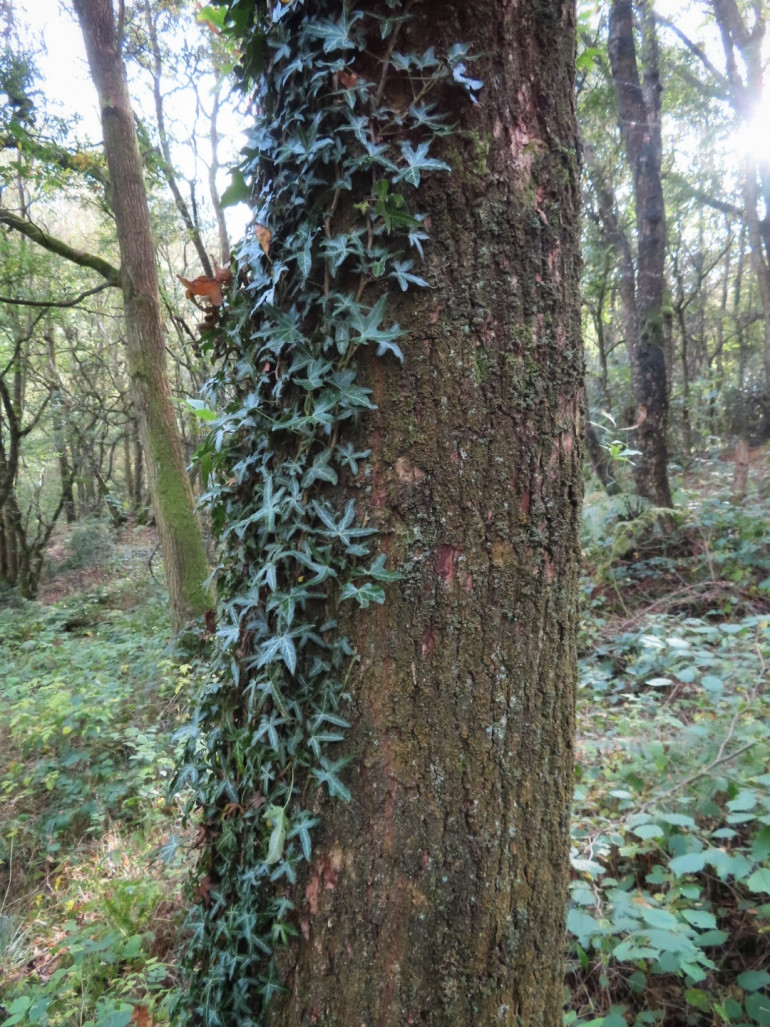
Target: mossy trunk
point(437, 895)
point(639, 111)
point(184, 554)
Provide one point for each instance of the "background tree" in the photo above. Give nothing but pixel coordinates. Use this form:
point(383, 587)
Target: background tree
point(135, 274)
point(642, 265)
point(184, 555)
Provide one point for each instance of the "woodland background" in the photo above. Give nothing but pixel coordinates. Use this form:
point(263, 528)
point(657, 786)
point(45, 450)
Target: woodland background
point(669, 911)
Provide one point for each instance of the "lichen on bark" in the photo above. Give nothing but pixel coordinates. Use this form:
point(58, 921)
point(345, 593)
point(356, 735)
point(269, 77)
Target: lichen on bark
point(436, 894)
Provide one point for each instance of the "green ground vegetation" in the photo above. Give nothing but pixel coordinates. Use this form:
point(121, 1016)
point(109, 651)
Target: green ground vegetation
point(669, 912)
point(92, 695)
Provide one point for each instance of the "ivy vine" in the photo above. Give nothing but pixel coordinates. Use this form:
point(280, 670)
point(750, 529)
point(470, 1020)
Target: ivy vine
point(331, 168)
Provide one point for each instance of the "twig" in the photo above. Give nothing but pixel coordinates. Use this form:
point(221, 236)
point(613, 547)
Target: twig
point(699, 773)
point(57, 303)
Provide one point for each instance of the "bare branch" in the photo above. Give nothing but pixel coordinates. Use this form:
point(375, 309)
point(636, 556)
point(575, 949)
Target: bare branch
point(57, 303)
point(705, 198)
point(694, 48)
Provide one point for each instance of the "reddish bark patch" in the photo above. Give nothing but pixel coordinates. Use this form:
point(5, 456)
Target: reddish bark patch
point(407, 472)
point(445, 564)
point(311, 893)
point(428, 642)
point(549, 568)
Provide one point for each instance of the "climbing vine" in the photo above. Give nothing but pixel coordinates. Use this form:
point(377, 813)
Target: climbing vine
point(339, 147)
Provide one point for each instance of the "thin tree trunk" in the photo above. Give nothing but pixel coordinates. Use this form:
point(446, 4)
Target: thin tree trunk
point(181, 539)
point(137, 498)
point(640, 112)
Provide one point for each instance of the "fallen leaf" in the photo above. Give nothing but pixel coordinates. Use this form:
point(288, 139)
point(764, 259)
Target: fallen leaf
point(209, 288)
point(141, 1017)
point(347, 78)
point(264, 235)
point(222, 274)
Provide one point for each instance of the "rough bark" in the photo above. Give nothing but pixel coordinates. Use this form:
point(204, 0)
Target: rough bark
point(437, 895)
point(182, 543)
point(639, 112)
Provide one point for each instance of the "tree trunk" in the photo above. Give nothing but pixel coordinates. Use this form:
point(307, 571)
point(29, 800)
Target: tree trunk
point(184, 554)
point(137, 492)
point(639, 111)
point(437, 895)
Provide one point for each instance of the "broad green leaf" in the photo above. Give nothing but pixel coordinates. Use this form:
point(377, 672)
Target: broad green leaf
point(658, 917)
point(117, 1017)
point(760, 845)
point(699, 918)
point(582, 925)
point(753, 980)
point(690, 863)
point(746, 799)
point(759, 881)
point(758, 1007)
point(647, 831)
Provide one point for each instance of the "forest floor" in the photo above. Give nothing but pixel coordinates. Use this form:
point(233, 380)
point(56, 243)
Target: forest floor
point(669, 912)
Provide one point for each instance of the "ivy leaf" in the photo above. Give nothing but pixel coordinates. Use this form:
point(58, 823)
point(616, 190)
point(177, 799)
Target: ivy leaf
point(320, 470)
point(335, 34)
point(199, 408)
point(237, 192)
point(471, 84)
point(365, 595)
point(418, 161)
point(424, 116)
point(277, 819)
point(301, 830)
point(329, 776)
point(402, 273)
point(278, 646)
point(379, 572)
point(367, 327)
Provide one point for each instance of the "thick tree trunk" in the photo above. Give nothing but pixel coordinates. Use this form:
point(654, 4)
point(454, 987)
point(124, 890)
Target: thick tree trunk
point(184, 554)
point(437, 895)
point(639, 111)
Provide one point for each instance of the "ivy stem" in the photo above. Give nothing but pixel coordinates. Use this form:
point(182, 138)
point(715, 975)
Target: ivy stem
point(389, 53)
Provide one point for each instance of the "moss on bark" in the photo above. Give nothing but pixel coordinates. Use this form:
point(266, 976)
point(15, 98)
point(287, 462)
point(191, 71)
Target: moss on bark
point(437, 895)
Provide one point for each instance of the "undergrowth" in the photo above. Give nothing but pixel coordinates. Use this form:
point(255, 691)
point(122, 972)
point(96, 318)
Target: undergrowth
point(669, 914)
point(669, 911)
point(91, 694)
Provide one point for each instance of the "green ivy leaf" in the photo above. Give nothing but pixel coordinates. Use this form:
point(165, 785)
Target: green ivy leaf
point(276, 819)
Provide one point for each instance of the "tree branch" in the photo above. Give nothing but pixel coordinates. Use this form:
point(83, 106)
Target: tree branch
point(108, 271)
point(57, 303)
point(694, 48)
point(705, 198)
